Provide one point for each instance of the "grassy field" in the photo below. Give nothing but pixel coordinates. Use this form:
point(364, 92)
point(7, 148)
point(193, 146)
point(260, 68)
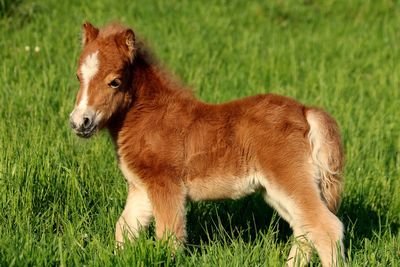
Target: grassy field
point(60, 196)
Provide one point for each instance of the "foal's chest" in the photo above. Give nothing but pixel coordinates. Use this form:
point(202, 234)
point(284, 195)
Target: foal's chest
point(131, 177)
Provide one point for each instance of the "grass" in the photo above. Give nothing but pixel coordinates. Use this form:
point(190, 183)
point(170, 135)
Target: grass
point(61, 196)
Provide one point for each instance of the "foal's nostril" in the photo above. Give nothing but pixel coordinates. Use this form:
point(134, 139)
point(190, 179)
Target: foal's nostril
point(86, 122)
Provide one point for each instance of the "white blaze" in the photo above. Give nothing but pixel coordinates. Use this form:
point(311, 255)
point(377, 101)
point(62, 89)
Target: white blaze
point(89, 69)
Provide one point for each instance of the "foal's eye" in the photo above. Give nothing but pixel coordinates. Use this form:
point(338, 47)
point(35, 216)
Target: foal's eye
point(77, 77)
point(115, 83)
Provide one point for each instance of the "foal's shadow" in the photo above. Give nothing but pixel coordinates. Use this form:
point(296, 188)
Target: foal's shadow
point(245, 218)
point(248, 217)
point(361, 222)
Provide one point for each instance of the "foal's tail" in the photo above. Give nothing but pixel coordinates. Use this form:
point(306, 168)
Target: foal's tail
point(327, 155)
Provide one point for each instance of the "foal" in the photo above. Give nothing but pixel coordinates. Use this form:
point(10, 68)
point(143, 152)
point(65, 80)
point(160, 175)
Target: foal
point(172, 147)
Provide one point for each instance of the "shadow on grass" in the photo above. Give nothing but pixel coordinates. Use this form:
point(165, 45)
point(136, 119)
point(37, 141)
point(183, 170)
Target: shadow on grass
point(363, 222)
point(248, 217)
point(245, 218)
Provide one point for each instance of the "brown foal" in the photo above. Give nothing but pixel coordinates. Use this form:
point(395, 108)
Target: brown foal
point(172, 147)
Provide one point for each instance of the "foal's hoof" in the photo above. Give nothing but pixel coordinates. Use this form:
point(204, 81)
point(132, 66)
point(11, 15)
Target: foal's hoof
point(119, 246)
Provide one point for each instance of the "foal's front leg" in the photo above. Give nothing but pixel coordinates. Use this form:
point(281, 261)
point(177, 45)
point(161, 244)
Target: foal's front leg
point(168, 200)
point(137, 214)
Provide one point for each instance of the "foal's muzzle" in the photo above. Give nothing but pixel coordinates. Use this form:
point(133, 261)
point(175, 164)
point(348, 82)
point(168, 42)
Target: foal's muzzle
point(83, 123)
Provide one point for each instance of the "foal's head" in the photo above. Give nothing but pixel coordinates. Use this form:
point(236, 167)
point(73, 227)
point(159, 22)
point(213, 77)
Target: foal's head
point(104, 77)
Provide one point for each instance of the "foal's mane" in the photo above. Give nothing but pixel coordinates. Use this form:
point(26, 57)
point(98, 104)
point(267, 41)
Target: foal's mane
point(145, 59)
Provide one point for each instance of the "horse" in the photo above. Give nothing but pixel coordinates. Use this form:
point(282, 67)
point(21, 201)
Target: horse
point(173, 148)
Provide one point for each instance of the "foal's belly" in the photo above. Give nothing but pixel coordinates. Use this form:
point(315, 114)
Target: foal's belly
point(228, 187)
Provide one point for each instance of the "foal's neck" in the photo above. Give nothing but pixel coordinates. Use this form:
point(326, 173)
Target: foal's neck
point(152, 84)
point(152, 89)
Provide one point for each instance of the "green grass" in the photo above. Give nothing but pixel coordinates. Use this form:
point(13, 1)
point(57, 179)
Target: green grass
point(60, 196)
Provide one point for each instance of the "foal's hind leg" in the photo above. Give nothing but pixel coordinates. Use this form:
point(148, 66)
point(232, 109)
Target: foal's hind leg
point(301, 251)
point(137, 214)
point(313, 224)
point(326, 234)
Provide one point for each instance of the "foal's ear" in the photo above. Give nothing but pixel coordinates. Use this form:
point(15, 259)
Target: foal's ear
point(89, 33)
point(127, 41)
